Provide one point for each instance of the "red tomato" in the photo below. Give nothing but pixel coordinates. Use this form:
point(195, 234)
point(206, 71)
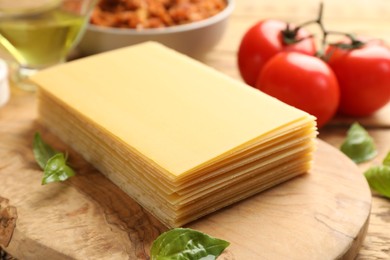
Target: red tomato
point(302, 81)
point(364, 77)
point(264, 40)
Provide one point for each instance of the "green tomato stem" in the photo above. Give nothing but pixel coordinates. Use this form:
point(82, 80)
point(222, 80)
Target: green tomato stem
point(355, 43)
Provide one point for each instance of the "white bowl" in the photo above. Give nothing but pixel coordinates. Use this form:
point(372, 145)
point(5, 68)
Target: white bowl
point(193, 39)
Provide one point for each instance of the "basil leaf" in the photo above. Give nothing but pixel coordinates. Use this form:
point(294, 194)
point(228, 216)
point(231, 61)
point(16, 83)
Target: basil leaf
point(56, 169)
point(186, 244)
point(386, 161)
point(378, 178)
point(358, 145)
point(52, 162)
point(42, 151)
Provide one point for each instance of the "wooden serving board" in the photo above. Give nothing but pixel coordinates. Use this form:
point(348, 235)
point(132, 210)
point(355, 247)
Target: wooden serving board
point(321, 215)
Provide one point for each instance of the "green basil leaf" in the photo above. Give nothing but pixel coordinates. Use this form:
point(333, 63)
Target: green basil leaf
point(56, 169)
point(386, 161)
point(51, 161)
point(186, 244)
point(358, 145)
point(42, 151)
point(378, 178)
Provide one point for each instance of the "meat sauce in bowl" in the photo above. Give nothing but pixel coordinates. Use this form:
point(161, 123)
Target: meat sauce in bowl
point(192, 27)
point(141, 14)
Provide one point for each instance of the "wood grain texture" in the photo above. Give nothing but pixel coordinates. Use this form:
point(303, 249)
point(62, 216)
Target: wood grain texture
point(376, 245)
point(321, 215)
point(370, 18)
point(8, 216)
point(360, 16)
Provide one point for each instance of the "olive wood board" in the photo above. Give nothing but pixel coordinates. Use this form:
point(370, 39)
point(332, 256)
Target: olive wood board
point(320, 215)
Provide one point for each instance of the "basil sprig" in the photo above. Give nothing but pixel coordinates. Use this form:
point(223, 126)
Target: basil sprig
point(186, 244)
point(52, 162)
point(378, 177)
point(358, 145)
point(42, 151)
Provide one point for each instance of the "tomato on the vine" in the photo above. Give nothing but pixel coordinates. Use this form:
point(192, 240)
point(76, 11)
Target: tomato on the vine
point(302, 81)
point(363, 73)
point(267, 38)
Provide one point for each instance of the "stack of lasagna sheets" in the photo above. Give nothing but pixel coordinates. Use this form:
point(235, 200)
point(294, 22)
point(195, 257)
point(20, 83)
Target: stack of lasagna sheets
point(180, 138)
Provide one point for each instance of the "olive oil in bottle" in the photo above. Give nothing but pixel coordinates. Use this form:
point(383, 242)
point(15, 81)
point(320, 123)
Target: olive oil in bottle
point(41, 39)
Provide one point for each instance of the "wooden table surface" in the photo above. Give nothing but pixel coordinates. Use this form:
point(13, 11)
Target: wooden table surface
point(371, 18)
point(360, 16)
